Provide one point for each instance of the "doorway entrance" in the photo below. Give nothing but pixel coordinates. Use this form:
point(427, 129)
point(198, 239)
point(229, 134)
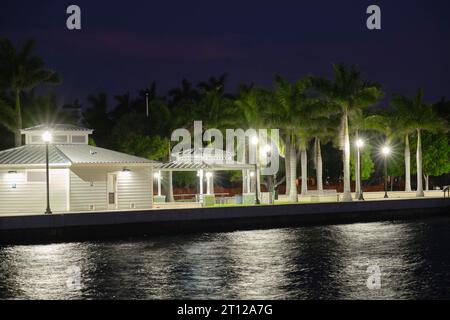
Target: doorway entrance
point(112, 191)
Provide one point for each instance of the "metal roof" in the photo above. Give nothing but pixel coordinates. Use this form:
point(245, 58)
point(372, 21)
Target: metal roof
point(67, 154)
point(202, 165)
point(32, 154)
point(56, 127)
point(184, 166)
point(86, 154)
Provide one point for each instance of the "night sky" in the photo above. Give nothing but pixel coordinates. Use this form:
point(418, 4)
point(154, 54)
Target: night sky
point(124, 45)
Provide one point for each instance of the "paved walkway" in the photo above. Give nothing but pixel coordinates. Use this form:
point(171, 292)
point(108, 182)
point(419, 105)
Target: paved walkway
point(368, 196)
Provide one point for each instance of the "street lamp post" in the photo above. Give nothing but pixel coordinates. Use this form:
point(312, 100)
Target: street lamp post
point(256, 184)
point(47, 138)
point(359, 145)
point(386, 151)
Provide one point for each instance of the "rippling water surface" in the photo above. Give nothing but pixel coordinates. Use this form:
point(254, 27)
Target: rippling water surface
point(319, 262)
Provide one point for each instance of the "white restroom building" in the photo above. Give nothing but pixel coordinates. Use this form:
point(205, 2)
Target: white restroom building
point(82, 177)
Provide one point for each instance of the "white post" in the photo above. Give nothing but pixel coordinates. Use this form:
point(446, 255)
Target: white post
point(208, 182)
point(200, 177)
point(247, 172)
point(159, 183)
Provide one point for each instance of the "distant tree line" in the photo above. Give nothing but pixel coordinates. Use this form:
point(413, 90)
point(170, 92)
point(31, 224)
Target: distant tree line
point(319, 120)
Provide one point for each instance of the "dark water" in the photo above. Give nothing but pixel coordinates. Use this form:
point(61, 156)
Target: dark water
point(321, 262)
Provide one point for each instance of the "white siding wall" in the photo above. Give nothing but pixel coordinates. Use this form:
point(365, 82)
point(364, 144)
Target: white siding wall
point(135, 187)
point(87, 188)
point(31, 197)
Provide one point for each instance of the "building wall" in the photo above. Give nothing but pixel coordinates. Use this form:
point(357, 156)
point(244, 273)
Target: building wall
point(135, 188)
point(87, 190)
point(88, 186)
point(19, 195)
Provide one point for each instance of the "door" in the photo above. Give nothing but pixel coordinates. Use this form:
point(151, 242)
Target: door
point(112, 191)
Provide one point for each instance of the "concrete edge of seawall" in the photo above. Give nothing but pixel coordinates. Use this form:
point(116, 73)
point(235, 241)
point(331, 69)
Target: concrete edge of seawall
point(103, 225)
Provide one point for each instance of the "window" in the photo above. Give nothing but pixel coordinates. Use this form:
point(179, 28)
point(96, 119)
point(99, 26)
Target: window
point(78, 139)
point(36, 176)
point(59, 139)
point(36, 139)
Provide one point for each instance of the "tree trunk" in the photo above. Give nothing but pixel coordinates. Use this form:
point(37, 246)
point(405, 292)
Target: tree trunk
point(407, 165)
point(17, 134)
point(287, 164)
point(419, 192)
point(304, 163)
point(347, 196)
point(293, 196)
point(427, 182)
point(169, 194)
point(319, 165)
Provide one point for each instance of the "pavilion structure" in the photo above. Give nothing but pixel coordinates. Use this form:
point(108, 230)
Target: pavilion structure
point(207, 161)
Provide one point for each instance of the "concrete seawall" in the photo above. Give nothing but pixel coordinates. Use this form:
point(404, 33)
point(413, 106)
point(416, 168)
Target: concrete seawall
point(89, 225)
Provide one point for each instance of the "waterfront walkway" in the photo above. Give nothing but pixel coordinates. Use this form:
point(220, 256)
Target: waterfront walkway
point(282, 200)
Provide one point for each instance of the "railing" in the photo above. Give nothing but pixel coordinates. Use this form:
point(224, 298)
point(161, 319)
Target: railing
point(194, 197)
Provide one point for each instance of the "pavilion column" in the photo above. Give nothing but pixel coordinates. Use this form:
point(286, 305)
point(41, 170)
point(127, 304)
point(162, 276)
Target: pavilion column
point(200, 177)
point(251, 180)
point(159, 183)
point(209, 183)
point(245, 181)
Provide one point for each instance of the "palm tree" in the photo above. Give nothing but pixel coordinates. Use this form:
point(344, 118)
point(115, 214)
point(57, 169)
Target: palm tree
point(347, 93)
point(395, 126)
point(323, 129)
point(97, 116)
point(253, 105)
point(420, 116)
point(291, 114)
point(22, 71)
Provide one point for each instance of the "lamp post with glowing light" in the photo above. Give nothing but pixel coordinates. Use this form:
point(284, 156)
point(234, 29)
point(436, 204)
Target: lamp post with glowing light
point(255, 141)
point(386, 151)
point(359, 145)
point(47, 138)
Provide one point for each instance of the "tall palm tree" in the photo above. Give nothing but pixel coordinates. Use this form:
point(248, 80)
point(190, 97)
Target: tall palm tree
point(22, 71)
point(395, 125)
point(347, 92)
point(97, 116)
point(323, 129)
point(253, 105)
point(291, 115)
point(419, 115)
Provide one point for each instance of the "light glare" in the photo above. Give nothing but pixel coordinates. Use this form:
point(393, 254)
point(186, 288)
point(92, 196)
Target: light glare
point(47, 136)
point(360, 143)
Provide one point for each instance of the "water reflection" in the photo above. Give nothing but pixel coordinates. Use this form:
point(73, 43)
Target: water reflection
point(321, 262)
